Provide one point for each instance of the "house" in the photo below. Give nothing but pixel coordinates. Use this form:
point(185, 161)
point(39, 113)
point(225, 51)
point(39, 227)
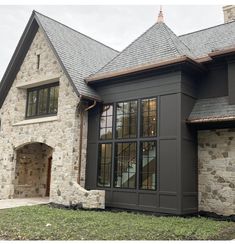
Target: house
point(151, 128)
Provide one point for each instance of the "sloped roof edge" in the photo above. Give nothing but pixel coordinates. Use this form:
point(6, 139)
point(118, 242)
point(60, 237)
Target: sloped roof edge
point(141, 68)
point(56, 54)
point(17, 58)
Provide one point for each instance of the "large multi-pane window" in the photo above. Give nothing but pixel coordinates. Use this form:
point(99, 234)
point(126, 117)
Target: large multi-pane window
point(148, 165)
point(106, 122)
point(128, 158)
point(42, 100)
point(149, 117)
point(125, 165)
point(105, 159)
point(126, 121)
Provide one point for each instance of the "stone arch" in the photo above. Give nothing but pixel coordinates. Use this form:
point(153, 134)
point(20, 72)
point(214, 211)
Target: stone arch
point(32, 170)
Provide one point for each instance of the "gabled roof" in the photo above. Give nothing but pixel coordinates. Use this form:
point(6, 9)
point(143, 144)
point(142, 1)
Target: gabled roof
point(157, 44)
point(78, 54)
point(212, 110)
point(211, 39)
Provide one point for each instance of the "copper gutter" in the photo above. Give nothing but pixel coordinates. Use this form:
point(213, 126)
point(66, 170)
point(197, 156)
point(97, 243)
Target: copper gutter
point(82, 110)
point(140, 68)
point(206, 120)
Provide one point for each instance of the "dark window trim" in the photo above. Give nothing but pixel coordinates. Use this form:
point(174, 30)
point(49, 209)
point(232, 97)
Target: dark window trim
point(137, 119)
point(37, 89)
point(99, 154)
point(115, 161)
point(141, 118)
point(100, 115)
point(140, 160)
point(138, 139)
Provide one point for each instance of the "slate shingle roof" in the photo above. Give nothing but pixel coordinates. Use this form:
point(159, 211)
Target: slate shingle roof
point(212, 109)
point(80, 54)
point(215, 38)
point(157, 44)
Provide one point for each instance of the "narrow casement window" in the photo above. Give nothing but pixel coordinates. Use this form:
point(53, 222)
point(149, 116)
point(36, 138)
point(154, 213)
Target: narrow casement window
point(104, 166)
point(38, 61)
point(126, 122)
point(42, 100)
point(106, 122)
point(148, 165)
point(53, 102)
point(125, 165)
point(149, 117)
point(32, 103)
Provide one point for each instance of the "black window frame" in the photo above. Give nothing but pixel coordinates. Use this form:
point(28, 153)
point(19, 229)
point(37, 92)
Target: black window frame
point(142, 118)
point(138, 139)
point(129, 118)
point(38, 89)
point(115, 164)
point(140, 162)
point(105, 139)
point(98, 165)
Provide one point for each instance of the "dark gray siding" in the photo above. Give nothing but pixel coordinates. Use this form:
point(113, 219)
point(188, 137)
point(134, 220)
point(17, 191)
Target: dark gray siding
point(231, 82)
point(171, 196)
point(140, 88)
point(213, 83)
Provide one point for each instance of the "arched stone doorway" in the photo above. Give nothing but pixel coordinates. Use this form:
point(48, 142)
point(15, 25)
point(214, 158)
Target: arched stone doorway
point(33, 170)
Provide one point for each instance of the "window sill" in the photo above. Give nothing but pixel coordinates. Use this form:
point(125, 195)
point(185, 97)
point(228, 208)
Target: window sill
point(37, 120)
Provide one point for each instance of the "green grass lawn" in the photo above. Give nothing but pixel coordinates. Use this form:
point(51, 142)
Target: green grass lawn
point(46, 223)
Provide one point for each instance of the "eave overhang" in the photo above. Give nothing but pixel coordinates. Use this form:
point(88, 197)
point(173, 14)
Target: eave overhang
point(211, 120)
point(144, 68)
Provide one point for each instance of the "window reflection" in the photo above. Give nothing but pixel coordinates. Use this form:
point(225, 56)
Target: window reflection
point(125, 165)
point(126, 122)
point(149, 117)
point(148, 165)
point(106, 122)
point(104, 167)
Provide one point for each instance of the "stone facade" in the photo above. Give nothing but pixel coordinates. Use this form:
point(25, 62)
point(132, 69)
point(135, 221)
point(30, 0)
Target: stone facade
point(31, 171)
point(229, 13)
point(216, 162)
point(61, 132)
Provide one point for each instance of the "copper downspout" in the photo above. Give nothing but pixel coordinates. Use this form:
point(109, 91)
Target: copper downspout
point(82, 110)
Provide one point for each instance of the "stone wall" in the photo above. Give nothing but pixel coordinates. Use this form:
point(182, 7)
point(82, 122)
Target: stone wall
point(31, 170)
point(229, 13)
point(60, 132)
point(216, 162)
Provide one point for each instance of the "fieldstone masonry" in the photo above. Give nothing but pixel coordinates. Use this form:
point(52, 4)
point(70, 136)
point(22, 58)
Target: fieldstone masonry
point(60, 133)
point(31, 170)
point(229, 13)
point(216, 162)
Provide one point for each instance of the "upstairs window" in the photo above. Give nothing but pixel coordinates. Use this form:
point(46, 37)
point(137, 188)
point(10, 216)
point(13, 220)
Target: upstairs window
point(149, 117)
point(42, 101)
point(126, 121)
point(106, 122)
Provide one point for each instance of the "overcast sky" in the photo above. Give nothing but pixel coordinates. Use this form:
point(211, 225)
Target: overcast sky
point(115, 26)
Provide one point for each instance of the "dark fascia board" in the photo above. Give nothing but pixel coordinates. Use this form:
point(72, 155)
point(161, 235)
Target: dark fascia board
point(17, 58)
point(144, 68)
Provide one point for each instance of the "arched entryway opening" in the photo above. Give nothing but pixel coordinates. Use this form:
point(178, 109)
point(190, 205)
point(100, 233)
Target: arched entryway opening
point(33, 170)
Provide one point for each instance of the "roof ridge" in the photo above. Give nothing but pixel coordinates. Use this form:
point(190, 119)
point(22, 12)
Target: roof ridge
point(211, 27)
point(124, 49)
point(36, 12)
point(175, 46)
